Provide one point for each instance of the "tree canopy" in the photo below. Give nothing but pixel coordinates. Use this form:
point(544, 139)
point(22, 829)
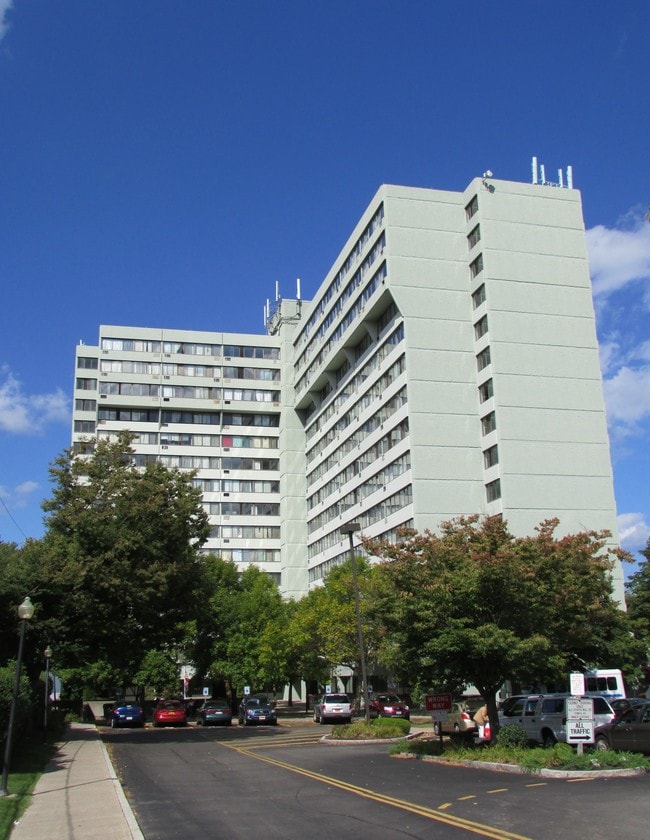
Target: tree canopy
point(119, 568)
point(477, 605)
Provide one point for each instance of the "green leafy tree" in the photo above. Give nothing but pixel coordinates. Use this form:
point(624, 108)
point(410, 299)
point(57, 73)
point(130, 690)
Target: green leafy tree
point(324, 624)
point(477, 606)
point(638, 597)
point(159, 674)
point(119, 568)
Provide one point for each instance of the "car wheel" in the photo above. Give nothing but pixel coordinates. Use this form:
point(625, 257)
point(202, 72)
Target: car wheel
point(602, 743)
point(548, 739)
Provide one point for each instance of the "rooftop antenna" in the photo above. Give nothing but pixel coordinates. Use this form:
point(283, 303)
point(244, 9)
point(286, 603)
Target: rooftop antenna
point(534, 167)
point(277, 290)
point(297, 288)
point(569, 177)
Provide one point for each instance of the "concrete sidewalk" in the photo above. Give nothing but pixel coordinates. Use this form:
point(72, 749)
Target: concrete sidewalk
point(78, 797)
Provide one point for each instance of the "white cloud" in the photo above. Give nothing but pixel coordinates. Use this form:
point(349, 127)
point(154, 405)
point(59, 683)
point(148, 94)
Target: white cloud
point(5, 8)
point(20, 496)
point(627, 394)
point(25, 414)
point(634, 531)
point(619, 256)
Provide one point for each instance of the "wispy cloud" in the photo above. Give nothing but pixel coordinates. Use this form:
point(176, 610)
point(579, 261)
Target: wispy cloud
point(18, 497)
point(25, 414)
point(5, 8)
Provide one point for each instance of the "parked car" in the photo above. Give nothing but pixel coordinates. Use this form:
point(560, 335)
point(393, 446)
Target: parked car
point(256, 708)
point(630, 732)
point(333, 707)
point(623, 704)
point(170, 713)
point(125, 714)
point(387, 705)
point(215, 712)
point(543, 717)
point(459, 720)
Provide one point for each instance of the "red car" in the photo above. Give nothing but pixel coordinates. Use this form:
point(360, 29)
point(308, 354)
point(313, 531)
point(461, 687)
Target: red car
point(388, 705)
point(170, 713)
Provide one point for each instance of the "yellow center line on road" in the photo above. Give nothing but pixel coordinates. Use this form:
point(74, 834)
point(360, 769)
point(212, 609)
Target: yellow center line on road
point(419, 810)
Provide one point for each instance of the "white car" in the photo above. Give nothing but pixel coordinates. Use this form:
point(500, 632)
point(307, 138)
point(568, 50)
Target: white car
point(333, 707)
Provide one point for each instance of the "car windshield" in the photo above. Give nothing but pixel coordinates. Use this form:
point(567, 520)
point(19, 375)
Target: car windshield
point(170, 705)
point(388, 698)
point(336, 698)
point(215, 704)
point(257, 701)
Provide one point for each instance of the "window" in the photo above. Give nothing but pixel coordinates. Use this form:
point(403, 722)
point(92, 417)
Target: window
point(474, 237)
point(486, 390)
point(476, 266)
point(86, 384)
point(480, 327)
point(472, 208)
point(491, 457)
point(479, 296)
point(488, 423)
point(483, 359)
point(85, 405)
point(493, 490)
point(87, 363)
point(84, 426)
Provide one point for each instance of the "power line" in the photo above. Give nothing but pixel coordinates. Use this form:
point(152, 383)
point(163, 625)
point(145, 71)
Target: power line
point(11, 517)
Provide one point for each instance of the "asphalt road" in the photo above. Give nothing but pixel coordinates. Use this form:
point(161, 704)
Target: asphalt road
point(280, 782)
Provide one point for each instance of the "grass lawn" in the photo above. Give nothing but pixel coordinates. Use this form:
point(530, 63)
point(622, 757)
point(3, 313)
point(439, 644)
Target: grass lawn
point(30, 755)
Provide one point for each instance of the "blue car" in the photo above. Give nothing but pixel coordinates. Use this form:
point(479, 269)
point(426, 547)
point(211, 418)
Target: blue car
point(125, 714)
point(256, 709)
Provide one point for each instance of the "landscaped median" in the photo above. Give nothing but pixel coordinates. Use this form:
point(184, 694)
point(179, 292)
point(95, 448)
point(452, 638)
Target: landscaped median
point(373, 731)
point(561, 760)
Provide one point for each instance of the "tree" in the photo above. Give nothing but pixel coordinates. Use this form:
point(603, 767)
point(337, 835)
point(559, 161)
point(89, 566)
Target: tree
point(476, 605)
point(638, 597)
point(120, 571)
point(324, 623)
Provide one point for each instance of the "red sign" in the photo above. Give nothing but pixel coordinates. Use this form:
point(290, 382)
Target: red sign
point(438, 702)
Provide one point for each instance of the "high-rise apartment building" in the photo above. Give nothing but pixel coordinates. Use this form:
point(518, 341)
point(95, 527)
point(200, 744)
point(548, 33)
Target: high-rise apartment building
point(447, 365)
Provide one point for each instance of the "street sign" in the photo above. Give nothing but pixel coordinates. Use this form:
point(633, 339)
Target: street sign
point(579, 731)
point(438, 702)
point(577, 683)
point(580, 720)
point(579, 708)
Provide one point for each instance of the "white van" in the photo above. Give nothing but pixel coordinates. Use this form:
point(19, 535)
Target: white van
point(605, 681)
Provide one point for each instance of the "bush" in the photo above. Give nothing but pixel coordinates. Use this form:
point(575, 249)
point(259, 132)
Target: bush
point(363, 730)
point(390, 727)
point(512, 735)
point(24, 704)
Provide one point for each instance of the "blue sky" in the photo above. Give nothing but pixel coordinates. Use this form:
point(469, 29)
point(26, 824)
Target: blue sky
point(165, 163)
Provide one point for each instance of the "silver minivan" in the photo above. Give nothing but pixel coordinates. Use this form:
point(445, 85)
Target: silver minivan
point(543, 717)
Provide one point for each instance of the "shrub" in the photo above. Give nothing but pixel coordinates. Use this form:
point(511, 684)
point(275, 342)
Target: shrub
point(379, 728)
point(390, 727)
point(512, 735)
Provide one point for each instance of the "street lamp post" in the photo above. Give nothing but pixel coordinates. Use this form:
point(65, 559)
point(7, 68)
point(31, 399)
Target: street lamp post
point(351, 528)
point(25, 612)
point(48, 655)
